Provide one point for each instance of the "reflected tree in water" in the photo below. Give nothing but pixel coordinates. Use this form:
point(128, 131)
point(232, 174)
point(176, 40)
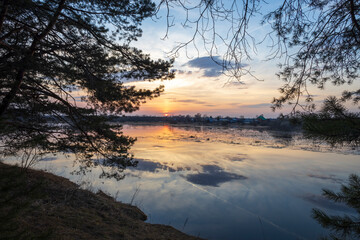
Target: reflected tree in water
point(334, 124)
point(62, 65)
point(343, 227)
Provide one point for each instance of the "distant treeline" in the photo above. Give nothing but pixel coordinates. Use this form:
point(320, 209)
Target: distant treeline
point(280, 123)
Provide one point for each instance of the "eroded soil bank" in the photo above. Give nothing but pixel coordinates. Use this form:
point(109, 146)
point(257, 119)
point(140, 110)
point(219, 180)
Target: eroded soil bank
point(40, 205)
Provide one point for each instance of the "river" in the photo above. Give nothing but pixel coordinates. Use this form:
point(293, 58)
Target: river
point(226, 183)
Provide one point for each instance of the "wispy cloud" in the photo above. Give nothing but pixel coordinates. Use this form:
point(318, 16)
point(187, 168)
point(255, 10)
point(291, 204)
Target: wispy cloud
point(236, 84)
point(183, 72)
point(260, 105)
point(188, 101)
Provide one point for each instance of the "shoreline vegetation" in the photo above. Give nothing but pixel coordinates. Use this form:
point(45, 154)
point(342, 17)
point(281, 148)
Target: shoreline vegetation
point(39, 205)
point(260, 122)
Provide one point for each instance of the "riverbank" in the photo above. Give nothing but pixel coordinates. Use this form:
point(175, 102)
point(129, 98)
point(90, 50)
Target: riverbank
point(39, 205)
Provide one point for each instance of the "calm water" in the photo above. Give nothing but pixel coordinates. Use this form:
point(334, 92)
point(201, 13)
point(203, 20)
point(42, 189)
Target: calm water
point(224, 183)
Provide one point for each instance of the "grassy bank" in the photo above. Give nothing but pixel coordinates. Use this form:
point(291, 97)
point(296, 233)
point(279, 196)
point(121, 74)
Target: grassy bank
point(40, 205)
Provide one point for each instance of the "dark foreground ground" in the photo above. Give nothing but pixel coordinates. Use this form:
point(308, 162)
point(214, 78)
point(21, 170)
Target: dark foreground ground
point(40, 205)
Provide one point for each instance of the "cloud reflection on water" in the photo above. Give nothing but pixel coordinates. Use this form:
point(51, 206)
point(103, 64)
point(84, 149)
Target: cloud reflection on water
point(333, 178)
point(213, 175)
point(238, 158)
point(210, 175)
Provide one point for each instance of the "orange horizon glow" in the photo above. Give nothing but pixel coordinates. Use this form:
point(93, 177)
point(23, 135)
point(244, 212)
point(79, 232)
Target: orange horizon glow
point(189, 94)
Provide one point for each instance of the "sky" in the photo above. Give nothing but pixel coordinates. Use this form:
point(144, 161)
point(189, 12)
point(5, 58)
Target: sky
point(200, 85)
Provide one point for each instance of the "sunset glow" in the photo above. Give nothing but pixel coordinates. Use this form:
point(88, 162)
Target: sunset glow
point(201, 87)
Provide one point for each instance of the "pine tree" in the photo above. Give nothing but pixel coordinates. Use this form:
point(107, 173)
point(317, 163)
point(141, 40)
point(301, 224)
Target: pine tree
point(50, 50)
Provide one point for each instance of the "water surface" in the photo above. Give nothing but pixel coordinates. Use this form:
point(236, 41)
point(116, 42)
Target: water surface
point(226, 183)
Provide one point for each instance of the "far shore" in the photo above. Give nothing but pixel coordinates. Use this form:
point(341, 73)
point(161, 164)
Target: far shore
point(285, 127)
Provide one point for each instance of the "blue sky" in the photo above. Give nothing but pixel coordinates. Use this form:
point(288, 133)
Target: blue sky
point(200, 85)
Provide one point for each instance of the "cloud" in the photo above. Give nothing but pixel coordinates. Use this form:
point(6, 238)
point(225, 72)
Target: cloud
point(188, 101)
point(260, 105)
point(183, 72)
point(211, 65)
point(236, 84)
point(213, 176)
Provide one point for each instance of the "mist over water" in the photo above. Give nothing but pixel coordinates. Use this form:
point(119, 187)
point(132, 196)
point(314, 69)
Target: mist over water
point(226, 183)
